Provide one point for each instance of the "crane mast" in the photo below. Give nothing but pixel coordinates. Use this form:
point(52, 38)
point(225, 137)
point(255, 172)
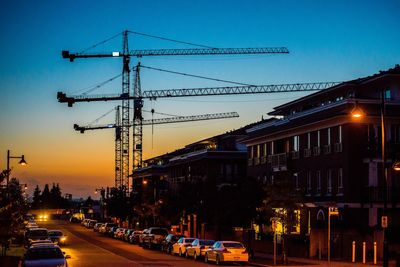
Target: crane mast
point(137, 121)
point(118, 147)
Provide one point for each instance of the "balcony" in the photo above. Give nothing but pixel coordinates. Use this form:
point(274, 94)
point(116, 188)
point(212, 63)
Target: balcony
point(295, 154)
point(307, 152)
point(317, 151)
point(256, 161)
point(250, 162)
point(337, 147)
point(278, 162)
point(327, 149)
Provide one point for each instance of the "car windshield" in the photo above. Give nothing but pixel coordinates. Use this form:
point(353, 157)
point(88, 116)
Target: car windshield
point(207, 242)
point(159, 232)
point(233, 245)
point(189, 240)
point(44, 253)
point(55, 233)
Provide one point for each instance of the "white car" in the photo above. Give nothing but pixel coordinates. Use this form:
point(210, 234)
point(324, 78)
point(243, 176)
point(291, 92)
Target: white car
point(227, 251)
point(180, 246)
point(44, 255)
point(198, 248)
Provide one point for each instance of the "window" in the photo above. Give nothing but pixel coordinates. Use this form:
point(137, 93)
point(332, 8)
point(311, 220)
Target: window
point(296, 180)
point(329, 136)
point(388, 94)
point(340, 133)
point(272, 148)
point(296, 143)
point(258, 151)
point(318, 138)
point(308, 140)
point(329, 182)
point(265, 149)
point(340, 181)
point(318, 174)
point(309, 185)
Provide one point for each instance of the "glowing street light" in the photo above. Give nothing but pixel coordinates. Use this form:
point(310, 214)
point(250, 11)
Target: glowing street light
point(22, 162)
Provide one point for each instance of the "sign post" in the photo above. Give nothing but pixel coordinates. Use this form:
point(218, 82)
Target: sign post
point(333, 211)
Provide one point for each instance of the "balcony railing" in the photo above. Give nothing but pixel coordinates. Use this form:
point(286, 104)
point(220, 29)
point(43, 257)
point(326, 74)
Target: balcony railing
point(250, 162)
point(263, 159)
point(338, 147)
point(307, 152)
point(279, 162)
point(317, 151)
point(256, 161)
point(295, 154)
point(327, 149)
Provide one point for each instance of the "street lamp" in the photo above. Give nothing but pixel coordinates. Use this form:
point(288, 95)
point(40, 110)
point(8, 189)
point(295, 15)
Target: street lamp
point(22, 162)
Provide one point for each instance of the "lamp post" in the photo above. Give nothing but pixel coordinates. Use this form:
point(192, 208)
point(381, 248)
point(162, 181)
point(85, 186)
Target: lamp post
point(22, 162)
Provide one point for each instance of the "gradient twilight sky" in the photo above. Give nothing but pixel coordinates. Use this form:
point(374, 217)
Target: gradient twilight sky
point(328, 41)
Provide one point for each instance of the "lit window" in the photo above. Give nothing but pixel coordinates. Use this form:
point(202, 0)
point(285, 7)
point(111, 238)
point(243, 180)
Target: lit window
point(340, 133)
point(329, 136)
point(318, 138)
point(296, 143)
point(309, 140)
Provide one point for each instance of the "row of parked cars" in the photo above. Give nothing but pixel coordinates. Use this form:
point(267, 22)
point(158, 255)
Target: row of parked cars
point(175, 244)
point(43, 247)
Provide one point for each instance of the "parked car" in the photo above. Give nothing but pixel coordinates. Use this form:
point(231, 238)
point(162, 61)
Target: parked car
point(58, 237)
point(144, 233)
point(46, 255)
point(180, 246)
point(84, 222)
point(155, 237)
point(198, 248)
point(108, 226)
point(34, 234)
point(91, 223)
point(97, 226)
point(112, 230)
point(127, 233)
point(169, 240)
point(134, 237)
point(227, 251)
point(40, 242)
point(118, 233)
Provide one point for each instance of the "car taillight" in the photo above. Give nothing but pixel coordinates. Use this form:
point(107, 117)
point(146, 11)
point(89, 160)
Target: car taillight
point(245, 251)
point(225, 251)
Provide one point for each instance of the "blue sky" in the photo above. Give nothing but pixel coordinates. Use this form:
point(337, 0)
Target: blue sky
point(328, 41)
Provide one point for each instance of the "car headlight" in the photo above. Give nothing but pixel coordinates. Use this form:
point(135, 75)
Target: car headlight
point(63, 238)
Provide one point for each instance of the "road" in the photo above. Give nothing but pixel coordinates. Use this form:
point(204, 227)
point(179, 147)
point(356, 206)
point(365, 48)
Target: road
point(88, 248)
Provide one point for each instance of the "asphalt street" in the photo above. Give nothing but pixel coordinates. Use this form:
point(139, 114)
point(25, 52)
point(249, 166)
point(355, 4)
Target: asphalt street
point(88, 248)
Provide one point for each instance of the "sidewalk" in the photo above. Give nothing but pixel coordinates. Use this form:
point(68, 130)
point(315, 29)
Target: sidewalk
point(262, 259)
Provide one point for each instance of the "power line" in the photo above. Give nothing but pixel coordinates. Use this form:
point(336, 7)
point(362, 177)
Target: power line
point(195, 76)
point(171, 40)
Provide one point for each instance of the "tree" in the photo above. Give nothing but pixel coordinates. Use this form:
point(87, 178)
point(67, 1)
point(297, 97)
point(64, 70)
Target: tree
point(13, 207)
point(36, 197)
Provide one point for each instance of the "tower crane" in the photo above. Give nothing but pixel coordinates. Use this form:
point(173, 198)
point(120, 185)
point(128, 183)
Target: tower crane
point(176, 119)
point(126, 54)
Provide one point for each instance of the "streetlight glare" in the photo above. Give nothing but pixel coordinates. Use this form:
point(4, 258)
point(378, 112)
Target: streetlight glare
point(357, 113)
point(396, 166)
point(22, 161)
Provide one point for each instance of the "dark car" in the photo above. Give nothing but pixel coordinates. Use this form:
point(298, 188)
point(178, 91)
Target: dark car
point(166, 244)
point(155, 237)
point(58, 237)
point(46, 255)
point(34, 234)
point(127, 233)
point(112, 231)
